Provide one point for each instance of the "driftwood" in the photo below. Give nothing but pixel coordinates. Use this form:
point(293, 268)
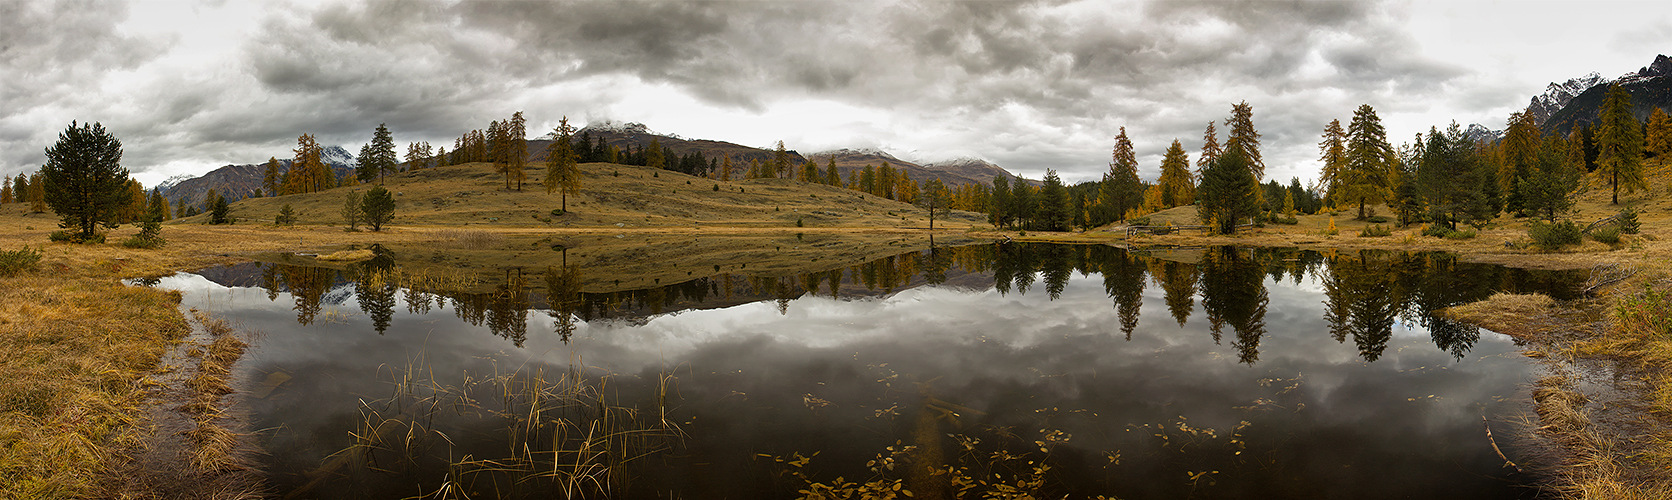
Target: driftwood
point(1507, 462)
point(1605, 275)
point(1605, 221)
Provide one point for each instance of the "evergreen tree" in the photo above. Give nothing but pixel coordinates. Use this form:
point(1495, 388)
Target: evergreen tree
point(219, 210)
point(653, 154)
point(562, 173)
point(1658, 140)
point(1370, 174)
point(934, 199)
point(1548, 189)
point(1456, 183)
point(1516, 153)
point(36, 194)
point(809, 172)
point(365, 167)
point(156, 207)
point(1620, 144)
point(286, 217)
point(999, 203)
point(1052, 214)
point(378, 207)
point(270, 177)
point(1023, 203)
point(384, 158)
point(6, 191)
point(1244, 137)
point(1120, 190)
point(1332, 152)
point(1078, 210)
point(832, 176)
point(352, 209)
point(516, 148)
point(868, 180)
point(1226, 194)
point(83, 180)
point(1176, 184)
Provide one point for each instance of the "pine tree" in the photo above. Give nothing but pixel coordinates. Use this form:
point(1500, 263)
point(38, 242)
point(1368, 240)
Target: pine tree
point(934, 199)
point(1658, 140)
point(516, 148)
point(1620, 143)
point(1176, 184)
point(809, 172)
point(352, 210)
point(999, 202)
point(83, 180)
point(1516, 153)
point(1548, 189)
point(384, 158)
point(1332, 152)
point(1370, 174)
point(1226, 194)
point(6, 191)
point(365, 169)
point(1244, 137)
point(562, 173)
point(378, 207)
point(1120, 189)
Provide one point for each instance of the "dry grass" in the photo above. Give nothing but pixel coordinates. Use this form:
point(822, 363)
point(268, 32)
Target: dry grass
point(348, 255)
point(471, 239)
point(1520, 315)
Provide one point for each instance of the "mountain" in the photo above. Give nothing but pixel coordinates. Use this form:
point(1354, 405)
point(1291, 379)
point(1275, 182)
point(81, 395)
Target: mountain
point(638, 136)
point(1476, 132)
point(1558, 95)
point(1649, 88)
point(239, 181)
point(952, 173)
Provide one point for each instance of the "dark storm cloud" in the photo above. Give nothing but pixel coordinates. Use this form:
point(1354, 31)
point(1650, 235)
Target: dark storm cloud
point(1029, 84)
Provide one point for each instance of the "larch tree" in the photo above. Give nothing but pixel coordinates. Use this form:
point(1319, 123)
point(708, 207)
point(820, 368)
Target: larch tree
point(832, 176)
point(1370, 174)
point(497, 149)
point(1332, 152)
point(6, 191)
point(270, 176)
point(653, 155)
point(934, 199)
point(83, 180)
point(1243, 137)
point(725, 168)
point(1178, 186)
point(308, 172)
point(780, 161)
point(563, 175)
point(516, 148)
point(1658, 134)
point(1210, 149)
point(1226, 194)
point(1620, 144)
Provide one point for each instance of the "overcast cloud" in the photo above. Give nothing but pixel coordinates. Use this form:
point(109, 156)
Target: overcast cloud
point(189, 86)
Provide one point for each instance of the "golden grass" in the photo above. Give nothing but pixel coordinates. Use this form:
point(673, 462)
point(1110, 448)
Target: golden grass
point(348, 255)
point(1519, 315)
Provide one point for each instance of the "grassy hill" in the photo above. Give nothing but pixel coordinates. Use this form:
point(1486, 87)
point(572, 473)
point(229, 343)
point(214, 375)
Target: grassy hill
point(611, 195)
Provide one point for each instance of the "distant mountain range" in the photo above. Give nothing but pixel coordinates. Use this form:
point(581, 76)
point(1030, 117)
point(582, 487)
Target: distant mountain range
point(239, 181)
point(1649, 88)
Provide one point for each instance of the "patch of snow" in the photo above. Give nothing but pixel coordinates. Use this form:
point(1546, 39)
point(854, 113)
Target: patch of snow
point(336, 155)
point(169, 183)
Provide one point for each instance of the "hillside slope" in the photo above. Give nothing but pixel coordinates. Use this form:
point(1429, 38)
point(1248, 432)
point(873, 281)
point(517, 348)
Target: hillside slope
point(473, 194)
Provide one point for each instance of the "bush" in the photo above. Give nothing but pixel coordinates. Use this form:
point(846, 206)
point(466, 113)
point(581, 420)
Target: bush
point(1139, 221)
point(1375, 231)
point(557, 212)
point(1628, 221)
point(1554, 236)
point(1378, 219)
point(286, 217)
point(798, 222)
point(1608, 234)
point(150, 236)
point(17, 261)
point(1436, 230)
point(72, 236)
point(1332, 230)
point(1287, 220)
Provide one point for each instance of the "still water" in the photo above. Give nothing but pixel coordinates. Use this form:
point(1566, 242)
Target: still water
point(1037, 369)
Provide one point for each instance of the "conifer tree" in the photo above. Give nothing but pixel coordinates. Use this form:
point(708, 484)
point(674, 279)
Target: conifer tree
point(653, 155)
point(36, 194)
point(1176, 184)
point(562, 173)
point(999, 202)
point(1120, 189)
point(6, 191)
point(934, 199)
point(352, 209)
point(1023, 203)
point(832, 176)
point(83, 180)
point(1620, 143)
point(384, 158)
point(868, 180)
point(308, 172)
point(516, 148)
point(1516, 153)
point(1332, 152)
point(1658, 135)
point(1226, 194)
point(780, 161)
point(725, 168)
point(1244, 137)
point(20, 188)
point(365, 169)
point(220, 211)
point(1370, 174)
point(378, 207)
point(1547, 190)
point(1210, 149)
point(270, 176)
point(440, 159)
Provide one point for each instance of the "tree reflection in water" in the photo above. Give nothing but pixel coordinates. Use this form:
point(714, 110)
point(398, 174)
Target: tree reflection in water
point(1366, 293)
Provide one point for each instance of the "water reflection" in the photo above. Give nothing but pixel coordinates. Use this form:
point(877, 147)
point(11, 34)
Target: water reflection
point(1366, 293)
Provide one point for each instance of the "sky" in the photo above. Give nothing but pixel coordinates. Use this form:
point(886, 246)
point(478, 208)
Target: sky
point(188, 86)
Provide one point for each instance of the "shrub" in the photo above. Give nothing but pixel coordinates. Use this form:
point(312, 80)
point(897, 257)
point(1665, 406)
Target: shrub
point(1288, 220)
point(557, 212)
point(1648, 314)
point(1375, 231)
point(286, 217)
point(1460, 235)
point(1332, 230)
point(1608, 234)
point(1378, 219)
point(71, 236)
point(1140, 221)
point(798, 222)
point(150, 236)
point(1628, 221)
point(17, 261)
point(1554, 236)
point(1436, 230)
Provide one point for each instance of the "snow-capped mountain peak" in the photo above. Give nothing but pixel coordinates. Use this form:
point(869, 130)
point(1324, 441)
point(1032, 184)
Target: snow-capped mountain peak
point(336, 155)
point(1558, 95)
point(170, 182)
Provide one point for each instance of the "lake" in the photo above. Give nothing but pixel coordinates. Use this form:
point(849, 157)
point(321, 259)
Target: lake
point(1039, 369)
